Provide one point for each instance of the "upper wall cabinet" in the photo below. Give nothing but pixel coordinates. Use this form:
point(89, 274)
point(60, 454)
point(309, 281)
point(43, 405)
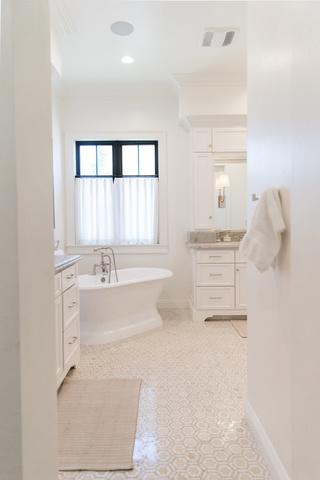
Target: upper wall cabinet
point(219, 140)
point(202, 140)
point(229, 140)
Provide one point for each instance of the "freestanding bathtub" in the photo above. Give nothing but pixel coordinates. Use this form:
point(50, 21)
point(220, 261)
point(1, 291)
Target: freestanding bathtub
point(113, 311)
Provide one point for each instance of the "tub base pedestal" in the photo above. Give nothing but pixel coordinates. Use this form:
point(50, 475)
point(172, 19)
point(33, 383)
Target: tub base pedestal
point(110, 312)
point(136, 328)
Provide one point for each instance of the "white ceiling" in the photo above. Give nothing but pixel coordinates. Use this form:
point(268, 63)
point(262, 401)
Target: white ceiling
point(166, 41)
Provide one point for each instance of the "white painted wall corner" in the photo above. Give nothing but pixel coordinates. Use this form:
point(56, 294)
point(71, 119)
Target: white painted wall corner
point(276, 467)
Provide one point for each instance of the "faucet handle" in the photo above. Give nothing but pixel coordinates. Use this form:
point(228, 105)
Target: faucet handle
point(100, 249)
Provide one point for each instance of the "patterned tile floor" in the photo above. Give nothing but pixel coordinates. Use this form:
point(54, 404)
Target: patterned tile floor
point(190, 422)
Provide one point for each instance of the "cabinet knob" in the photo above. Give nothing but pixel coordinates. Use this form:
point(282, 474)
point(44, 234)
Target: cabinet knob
point(210, 217)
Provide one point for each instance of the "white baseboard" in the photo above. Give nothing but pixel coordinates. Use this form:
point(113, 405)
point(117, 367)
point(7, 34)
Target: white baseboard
point(276, 467)
point(174, 303)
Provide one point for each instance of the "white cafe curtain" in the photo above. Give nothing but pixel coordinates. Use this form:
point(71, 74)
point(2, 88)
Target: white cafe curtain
point(123, 212)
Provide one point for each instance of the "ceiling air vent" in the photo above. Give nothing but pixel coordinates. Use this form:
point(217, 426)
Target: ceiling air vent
point(218, 37)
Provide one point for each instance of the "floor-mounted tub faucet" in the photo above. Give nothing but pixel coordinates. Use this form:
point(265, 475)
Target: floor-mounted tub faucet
point(106, 267)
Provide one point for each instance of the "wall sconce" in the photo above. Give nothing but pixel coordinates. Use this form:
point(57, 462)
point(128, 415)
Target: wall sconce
point(222, 181)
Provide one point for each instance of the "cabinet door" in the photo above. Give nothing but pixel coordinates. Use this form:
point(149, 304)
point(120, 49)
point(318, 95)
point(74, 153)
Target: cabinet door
point(71, 342)
point(229, 140)
point(241, 285)
point(240, 258)
point(69, 277)
point(59, 339)
point(203, 191)
point(202, 140)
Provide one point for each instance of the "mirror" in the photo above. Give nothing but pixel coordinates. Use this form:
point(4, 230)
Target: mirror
point(230, 195)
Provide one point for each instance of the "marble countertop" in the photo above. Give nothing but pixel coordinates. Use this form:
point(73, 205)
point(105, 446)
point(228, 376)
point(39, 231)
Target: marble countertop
point(214, 245)
point(63, 261)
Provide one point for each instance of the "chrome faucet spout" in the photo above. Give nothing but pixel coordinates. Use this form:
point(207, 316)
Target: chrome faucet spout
point(106, 267)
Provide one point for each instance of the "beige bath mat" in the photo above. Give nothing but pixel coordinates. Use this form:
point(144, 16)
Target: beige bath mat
point(97, 423)
point(241, 327)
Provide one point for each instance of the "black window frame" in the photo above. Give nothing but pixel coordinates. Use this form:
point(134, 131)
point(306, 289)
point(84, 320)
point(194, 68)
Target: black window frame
point(116, 156)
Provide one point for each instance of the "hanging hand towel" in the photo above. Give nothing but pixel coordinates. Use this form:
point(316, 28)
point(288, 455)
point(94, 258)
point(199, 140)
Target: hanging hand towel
point(262, 242)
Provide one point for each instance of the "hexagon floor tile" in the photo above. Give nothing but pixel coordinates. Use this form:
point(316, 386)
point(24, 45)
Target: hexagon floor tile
point(191, 415)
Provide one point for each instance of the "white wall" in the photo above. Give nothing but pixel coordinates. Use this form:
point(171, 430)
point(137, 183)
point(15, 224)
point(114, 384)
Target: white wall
point(270, 164)
point(284, 151)
point(306, 240)
point(27, 349)
point(117, 109)
point(10, 408)
point(215, 100)
point(58, 161)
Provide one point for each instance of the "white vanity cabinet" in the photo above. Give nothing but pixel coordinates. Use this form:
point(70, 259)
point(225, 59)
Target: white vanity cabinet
point(220, 140)
point(219, 283)
point(203, 175)
point(59, 338)
point(209, 147)
point(202, 140)
point(67, 321)
point(229, 140)
point(241, 286)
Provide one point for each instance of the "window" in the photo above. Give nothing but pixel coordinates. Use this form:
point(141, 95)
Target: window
point(116, 192)
point(117, 159)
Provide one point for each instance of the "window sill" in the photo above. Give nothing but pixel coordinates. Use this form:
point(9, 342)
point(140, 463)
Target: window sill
point(119, 249)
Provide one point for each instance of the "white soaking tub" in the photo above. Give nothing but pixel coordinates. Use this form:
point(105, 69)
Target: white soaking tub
point(113, 311)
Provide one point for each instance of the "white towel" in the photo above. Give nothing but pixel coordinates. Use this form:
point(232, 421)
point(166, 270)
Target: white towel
point(262, 242)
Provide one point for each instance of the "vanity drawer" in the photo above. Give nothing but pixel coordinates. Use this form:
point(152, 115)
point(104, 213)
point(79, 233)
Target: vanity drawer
point(220, 298)
point(57, 284)
point(215, 256)
point(69, 276)
point(70, 305)
point(218, 274)
point(71, 340)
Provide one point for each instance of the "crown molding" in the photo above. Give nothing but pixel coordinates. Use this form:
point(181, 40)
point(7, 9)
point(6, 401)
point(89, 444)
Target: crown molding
point(190, 80)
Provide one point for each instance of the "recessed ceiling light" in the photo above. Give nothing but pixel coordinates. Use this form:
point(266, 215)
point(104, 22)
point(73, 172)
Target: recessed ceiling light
point(122, 28)
point(127, 59)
